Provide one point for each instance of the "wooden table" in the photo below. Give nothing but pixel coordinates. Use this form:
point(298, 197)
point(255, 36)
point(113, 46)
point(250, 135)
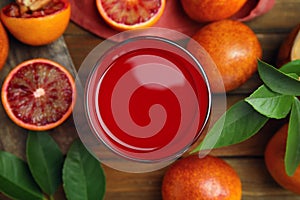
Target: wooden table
point(247, 157)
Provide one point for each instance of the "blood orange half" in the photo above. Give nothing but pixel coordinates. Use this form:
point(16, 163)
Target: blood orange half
point(39, 27)
point(38, 94)
point(130, 14)
point(4, 46)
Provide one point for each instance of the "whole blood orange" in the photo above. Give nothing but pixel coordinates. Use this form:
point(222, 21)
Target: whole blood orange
point(290, 47)
point(38, 94)
point(130, 14)
point(234, 48)
point(211, 10)
point(274, 159)
point(202, 179)
point(4, 46)
point(38, 27)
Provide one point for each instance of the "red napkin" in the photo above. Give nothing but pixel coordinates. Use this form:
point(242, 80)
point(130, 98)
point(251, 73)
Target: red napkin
point(85, 14)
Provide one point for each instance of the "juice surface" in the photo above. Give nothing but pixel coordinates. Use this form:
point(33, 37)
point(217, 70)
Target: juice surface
point(150, 103)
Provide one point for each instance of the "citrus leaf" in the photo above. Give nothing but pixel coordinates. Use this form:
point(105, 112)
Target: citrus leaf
point(269, 103)
point(16, 180)
point(293, 75)
point(291, 67)
point(239, 123)
point(277, 80)
point(45, 161)
point(83, 176)
point(292, 154)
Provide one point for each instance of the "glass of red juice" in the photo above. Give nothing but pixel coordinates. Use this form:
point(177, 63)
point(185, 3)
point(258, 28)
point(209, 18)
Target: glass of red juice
point(145, 101)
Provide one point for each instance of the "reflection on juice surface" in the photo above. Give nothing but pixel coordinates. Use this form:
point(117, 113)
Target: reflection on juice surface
point(148, 104)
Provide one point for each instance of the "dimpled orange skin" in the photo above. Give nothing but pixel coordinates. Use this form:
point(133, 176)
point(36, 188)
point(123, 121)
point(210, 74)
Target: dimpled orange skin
point(211, 10)
point(208, 178)
point(234, 48)
point(4, 46)
point(274, 159)
point(37, 31)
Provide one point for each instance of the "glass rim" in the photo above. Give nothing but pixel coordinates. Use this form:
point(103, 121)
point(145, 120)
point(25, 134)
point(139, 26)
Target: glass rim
point(217, 101)
point(134, 39)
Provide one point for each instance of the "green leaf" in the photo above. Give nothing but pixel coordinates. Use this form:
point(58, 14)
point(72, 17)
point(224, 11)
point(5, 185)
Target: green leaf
point(16, 180)
point(83, 176)
point(239, 123)
point(278, 81)
point(45, 161)
point(291, 67)
point(292, 154)
point(293, 75)
point(269, 103)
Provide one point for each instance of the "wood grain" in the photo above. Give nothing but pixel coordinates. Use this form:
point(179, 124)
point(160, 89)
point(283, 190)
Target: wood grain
point(256, 182)
point(246, 157)
point(12, 137)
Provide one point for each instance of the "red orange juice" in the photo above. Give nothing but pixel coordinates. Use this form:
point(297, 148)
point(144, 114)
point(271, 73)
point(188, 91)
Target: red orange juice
point(147, 99)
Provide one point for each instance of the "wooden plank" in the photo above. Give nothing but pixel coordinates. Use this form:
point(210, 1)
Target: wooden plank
point(269, 42)
point(12, 137)
point(253, 147)
point(256, 182)
point(79, 50)
point(282, 18)
point(246, 157)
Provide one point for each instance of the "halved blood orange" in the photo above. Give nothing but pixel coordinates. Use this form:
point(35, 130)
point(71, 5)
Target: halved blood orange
point(39, 27)
point(4, 46)
point(130, 14)
point(38, 94)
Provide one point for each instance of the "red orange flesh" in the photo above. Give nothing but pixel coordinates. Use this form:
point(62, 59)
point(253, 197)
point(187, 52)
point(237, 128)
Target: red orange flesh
point(38, 94)
point(130, 14)
point(39, 27)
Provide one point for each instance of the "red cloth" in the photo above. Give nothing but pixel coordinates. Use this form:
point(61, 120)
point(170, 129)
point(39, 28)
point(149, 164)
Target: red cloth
point(85, 14)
